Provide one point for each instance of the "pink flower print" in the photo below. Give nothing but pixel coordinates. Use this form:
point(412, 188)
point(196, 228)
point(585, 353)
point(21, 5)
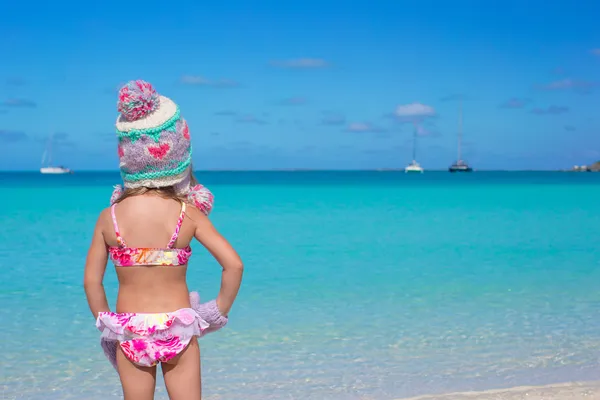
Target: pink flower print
point(123, 256)
point(139, 345)
point(183, 256)
point(167, 355)
point(124, 318)
point(129, 352)
point(172, 344)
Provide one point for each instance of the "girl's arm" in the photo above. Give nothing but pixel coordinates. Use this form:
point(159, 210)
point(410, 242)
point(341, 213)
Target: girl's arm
point(95, 265)
point(226, 256)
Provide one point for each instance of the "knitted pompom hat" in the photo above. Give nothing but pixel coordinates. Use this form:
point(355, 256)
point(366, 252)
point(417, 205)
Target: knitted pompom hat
point(154, 145)
point(154, 140)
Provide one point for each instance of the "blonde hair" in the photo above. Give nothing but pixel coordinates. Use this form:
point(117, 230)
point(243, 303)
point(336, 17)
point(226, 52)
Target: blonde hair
point(167, 192)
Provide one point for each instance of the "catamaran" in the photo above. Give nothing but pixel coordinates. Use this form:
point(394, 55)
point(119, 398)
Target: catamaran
point(47, 158)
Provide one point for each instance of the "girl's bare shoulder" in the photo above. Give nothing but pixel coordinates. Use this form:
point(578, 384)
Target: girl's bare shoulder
point(195, 214)
point(104, 220)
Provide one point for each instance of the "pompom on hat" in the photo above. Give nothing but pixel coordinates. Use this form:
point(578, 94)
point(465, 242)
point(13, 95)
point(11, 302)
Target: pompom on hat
point(154, 148)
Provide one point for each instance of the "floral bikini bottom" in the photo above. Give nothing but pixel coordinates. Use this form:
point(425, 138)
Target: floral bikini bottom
point(147, 339)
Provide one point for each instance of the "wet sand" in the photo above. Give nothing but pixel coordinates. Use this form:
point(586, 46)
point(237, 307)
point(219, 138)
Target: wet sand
point(566, 391)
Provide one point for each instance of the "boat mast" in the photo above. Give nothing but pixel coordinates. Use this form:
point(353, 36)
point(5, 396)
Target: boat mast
point(44, 156)
point(47, 155)
point(460, 123)
point(50, 150)
point(414, 155)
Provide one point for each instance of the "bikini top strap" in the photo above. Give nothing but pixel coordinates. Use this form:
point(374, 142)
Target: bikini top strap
point(178, 227)
point(114, 219)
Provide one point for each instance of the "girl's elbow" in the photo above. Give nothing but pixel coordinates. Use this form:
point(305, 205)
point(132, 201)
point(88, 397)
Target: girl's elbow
point(91, 283)
point(236, 265)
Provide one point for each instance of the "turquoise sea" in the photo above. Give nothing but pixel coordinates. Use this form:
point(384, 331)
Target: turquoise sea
point(358, 285)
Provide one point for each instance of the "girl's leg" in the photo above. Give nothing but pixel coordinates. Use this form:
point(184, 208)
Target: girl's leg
point(138, 382)
point(182, 374)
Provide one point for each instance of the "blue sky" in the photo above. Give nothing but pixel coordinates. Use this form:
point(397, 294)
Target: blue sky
point(311, 84)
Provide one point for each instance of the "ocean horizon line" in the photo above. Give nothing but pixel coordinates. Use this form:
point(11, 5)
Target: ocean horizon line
point(300, 170)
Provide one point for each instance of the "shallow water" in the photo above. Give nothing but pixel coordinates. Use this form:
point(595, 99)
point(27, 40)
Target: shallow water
point(358, 285)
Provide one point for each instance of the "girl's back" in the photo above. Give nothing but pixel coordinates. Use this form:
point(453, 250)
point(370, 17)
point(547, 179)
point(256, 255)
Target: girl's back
point(149, 222)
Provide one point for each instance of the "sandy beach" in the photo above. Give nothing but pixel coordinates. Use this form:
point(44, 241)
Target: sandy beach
point(566, 391)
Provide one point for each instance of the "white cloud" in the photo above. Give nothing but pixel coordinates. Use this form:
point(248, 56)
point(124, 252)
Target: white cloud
point(552, 110)
point(415, 110)
point(570, 84)
point(19, 103)
point(251, 119)
point(515, 102)
point(196, 80)
point(363, 127)
point(422, 131)
point(301, 63)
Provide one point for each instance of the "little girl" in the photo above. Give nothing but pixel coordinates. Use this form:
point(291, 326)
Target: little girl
point(146, 233)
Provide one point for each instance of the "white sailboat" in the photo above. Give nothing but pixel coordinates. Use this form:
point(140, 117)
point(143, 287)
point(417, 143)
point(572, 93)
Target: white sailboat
point(414, 166)
point(460, 165)
point(48, 168)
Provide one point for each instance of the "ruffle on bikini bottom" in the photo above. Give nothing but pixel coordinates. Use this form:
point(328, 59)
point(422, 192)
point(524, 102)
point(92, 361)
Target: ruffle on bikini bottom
point(147, 339)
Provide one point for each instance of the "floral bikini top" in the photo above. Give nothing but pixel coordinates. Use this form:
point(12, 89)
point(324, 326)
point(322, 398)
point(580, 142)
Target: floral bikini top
point(123, 256)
